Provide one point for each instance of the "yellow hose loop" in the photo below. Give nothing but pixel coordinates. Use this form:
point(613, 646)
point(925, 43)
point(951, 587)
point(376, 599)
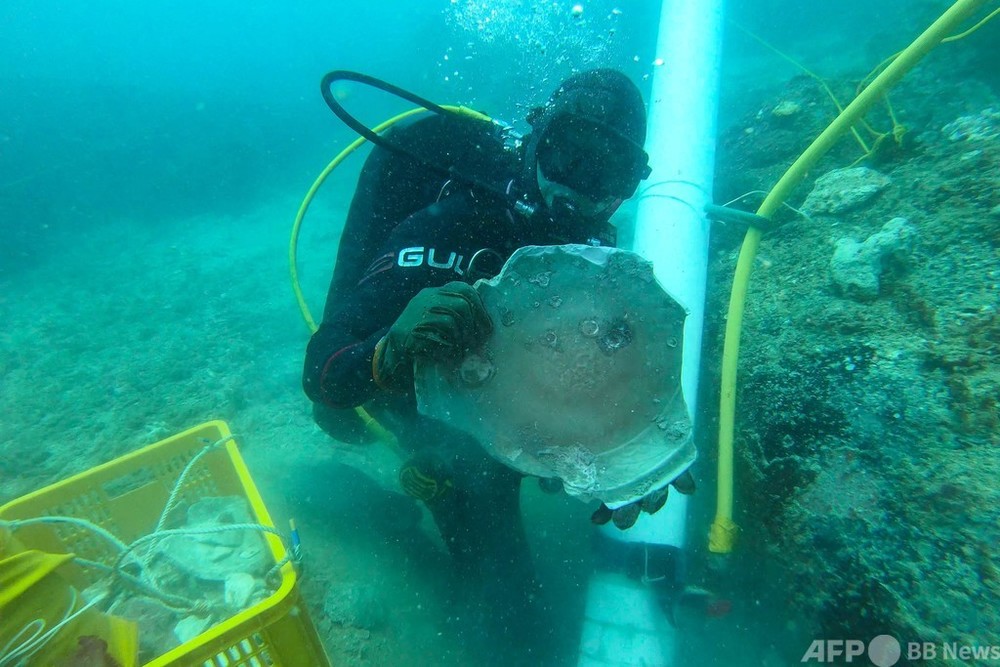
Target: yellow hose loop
point(373, 426)
point(954, 38)
point(723, 530)
point(323, 175)
point(966, 33)
point(813, 75)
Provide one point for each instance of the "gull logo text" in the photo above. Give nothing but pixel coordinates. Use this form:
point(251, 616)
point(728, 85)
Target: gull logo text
point(432, 257)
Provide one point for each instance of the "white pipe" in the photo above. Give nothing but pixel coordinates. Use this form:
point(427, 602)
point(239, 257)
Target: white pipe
point(672, 231)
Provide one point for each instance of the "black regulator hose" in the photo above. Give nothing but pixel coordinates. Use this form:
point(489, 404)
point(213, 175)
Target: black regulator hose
point(326, 88)
point(375, 138)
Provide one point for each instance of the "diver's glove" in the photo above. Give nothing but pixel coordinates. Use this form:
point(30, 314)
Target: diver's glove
point(425, 477)
point(437, 323)
point(625, 516)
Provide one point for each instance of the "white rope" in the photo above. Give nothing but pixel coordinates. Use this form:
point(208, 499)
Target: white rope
point(646, 579)
point(36, 627)
point(172, 498)
point(83, 523)
point(142, 582)
point(40, 638)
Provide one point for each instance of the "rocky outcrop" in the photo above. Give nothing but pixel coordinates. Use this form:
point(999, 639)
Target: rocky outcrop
point(868, 410)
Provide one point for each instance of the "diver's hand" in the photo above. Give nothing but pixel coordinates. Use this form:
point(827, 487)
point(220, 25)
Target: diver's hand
point(437, 323)
point(425, 476)
point(625, 516)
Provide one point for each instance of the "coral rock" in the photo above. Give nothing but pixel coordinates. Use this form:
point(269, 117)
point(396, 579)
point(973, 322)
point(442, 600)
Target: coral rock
point(190, 627)
point(786, 108)
point(856, 268)
point(979, 127)
point(844, 189)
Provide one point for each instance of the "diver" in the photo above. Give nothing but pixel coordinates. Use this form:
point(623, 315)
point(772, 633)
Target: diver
point(452, 200)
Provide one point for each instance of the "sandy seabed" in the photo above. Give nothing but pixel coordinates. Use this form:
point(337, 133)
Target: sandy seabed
point(131, 331)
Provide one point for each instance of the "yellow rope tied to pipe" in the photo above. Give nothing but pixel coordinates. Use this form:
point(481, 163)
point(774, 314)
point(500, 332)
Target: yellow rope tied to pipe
point(723, 532)
point(816, 77)
point(954, 38)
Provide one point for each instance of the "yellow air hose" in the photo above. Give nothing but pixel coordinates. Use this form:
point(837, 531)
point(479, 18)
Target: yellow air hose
point(723, 531)
point(376, 429)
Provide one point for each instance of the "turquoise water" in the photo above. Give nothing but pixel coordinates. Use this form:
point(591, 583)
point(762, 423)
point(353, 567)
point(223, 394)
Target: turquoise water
point(152, 159)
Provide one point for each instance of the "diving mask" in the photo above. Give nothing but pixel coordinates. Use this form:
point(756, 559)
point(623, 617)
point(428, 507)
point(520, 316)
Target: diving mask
point(590, 157)
point(565, 202)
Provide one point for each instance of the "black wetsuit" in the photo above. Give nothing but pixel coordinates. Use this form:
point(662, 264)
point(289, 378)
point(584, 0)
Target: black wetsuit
point(411, 226)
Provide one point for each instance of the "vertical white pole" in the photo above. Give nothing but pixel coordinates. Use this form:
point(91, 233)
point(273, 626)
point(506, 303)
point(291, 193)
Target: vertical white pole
point(671, 229)
point(623, 626)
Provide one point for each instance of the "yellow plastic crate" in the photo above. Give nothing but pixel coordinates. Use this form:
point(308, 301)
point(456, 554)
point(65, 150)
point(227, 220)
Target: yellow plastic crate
point(127, 495)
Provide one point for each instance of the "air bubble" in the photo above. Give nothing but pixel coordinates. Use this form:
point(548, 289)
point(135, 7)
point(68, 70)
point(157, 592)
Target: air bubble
point(476, 370)
point(590, 327)
point(541, 279)
point(617, 337)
